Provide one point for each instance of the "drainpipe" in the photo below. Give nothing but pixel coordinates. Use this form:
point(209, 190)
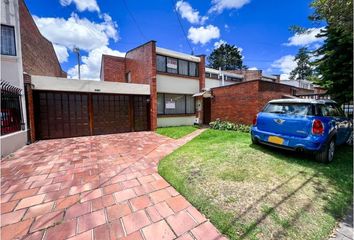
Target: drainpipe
point(221, 74)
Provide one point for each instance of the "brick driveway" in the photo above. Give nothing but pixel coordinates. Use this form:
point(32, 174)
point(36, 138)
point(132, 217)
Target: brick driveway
point(100, 187)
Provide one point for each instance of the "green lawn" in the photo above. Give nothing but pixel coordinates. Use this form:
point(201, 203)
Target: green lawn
point(176, 132)
point(255, 192)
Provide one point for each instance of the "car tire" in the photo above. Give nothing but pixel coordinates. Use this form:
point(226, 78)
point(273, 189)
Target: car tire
point(327, 154)
point(254, 140)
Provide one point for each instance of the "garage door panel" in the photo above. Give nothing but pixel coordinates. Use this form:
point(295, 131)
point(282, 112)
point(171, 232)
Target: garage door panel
point(68, 114)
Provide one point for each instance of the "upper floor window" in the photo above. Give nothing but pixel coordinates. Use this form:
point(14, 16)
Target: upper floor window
point(8, 46)
point(176, 66)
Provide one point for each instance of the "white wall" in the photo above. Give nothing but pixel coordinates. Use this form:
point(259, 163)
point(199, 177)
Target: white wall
point(175, 121)
point(172, 84)
point(74, 85)
point(211, 83)
point(12, 72)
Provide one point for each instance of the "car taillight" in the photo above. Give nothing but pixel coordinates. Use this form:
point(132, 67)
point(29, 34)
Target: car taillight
point(254, 122)
point(317, 127)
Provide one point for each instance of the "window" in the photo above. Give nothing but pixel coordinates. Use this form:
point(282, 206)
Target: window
point(161, 63)
point(175, 104)
point(331, 110)
point(172, 65)
point(289, 108)
point(182, 67)
point(193, 70)
point(176, 66)
point(8, 46)
point(11, 117)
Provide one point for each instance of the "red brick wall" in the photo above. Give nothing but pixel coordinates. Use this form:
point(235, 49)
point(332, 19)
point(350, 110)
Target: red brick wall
point(249, 75)
point(239, 103)
point(38, 55)
point(141, 62)
point(113, 69)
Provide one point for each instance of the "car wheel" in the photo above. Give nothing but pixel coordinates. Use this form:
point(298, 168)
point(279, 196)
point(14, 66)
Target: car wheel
point(254, 140)
point(327, 154)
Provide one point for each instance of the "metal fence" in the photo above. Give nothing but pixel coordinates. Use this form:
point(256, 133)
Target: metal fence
point(11, 114)
point(347, 107)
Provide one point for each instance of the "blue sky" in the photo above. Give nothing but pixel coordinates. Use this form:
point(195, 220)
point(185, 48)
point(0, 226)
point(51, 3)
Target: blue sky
point(260, 28)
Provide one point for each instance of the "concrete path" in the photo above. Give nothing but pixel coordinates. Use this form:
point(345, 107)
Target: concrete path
point(345, 230)
point(97, 187)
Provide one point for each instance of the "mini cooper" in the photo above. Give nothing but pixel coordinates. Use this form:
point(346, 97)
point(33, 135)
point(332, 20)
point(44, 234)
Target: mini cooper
point(316, 126)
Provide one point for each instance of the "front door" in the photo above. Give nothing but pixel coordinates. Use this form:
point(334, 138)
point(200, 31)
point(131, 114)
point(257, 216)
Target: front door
point(206, 110)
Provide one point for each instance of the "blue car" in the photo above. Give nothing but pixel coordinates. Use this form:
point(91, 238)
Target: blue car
point(302, 125)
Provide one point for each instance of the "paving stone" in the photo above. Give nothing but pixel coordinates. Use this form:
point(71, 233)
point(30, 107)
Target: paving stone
point(181, 222)
point(15, 231)
point(47, 220)
point(135, 221)
point(117, 211)
point(205, 231)
point(39, 210)
point(140, 202)
point(158, 231)
point(124, 195)
point(177, 203)
point(62, 231)
point(30, 201)
point(91, 220)
point(12, 217)
point(77, 210)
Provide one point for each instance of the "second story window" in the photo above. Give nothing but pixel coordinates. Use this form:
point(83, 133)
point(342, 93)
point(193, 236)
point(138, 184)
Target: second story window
point(172, 65)
point(8, 46)
point(176, 66)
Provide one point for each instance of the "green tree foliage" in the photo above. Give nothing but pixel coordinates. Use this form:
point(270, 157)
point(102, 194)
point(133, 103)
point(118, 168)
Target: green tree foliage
point(335, 63)
point(303, 69)
point(226, 56)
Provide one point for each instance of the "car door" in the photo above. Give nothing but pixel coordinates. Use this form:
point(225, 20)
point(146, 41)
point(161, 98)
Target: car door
point(342, 124)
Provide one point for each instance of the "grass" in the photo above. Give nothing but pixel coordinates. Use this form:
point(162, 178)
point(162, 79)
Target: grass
point(176, 132)
point(255, 192)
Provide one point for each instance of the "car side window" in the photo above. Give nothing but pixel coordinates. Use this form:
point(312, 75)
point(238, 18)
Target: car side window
point(331, 110)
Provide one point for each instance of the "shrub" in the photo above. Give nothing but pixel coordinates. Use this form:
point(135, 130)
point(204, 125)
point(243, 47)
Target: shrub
point(229, 126)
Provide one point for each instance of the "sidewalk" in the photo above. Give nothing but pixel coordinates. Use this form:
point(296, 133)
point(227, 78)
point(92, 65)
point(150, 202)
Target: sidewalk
point(345, 229)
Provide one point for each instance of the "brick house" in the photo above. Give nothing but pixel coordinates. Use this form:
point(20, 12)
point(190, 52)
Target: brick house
point(180, 86)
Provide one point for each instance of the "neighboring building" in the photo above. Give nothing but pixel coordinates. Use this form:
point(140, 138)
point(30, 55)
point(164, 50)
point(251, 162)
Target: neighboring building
point(13, 112)
point(300, 83)
point(38, 55)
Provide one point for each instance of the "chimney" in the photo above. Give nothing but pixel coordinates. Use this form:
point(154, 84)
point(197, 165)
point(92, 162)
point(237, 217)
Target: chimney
point(278, 78)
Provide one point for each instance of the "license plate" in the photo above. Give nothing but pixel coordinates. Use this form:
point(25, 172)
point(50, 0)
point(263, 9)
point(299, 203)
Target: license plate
point(276, 140)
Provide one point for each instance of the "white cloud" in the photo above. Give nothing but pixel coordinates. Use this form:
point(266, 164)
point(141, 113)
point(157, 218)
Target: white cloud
point(62, 53)
point(79, 32)
point(91, 64)
point(203, 34)
point(305, 39)
point(187, 12)
point(220, 5)
point(285, 65)
point(82, 5)
point(252, 68)
point(219, 43)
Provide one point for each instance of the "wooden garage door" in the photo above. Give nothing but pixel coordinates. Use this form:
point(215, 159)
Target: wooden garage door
point(64, 114)
point(61, 115)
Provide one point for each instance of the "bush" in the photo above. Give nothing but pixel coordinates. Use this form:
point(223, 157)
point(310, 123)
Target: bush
point(229, 126)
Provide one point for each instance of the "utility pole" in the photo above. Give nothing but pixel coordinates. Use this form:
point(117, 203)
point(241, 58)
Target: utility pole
point(77, 51)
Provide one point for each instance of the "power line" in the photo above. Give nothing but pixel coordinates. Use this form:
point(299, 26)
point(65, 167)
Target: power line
point(180, 24)
point(134, 20)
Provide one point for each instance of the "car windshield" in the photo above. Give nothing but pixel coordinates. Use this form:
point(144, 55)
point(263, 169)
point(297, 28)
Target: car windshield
point(300, 109)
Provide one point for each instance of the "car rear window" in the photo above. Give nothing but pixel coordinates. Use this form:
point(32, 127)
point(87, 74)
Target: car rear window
point(300, 109)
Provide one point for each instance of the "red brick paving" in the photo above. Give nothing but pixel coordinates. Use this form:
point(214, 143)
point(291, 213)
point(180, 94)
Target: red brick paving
point(100, 187)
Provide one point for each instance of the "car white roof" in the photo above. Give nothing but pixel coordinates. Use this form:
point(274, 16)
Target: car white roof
point(299, 100)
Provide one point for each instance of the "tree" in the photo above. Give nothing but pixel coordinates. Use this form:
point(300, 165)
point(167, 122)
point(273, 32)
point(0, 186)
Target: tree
point(226, 56)
point(335, 63)
point(303, 69)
